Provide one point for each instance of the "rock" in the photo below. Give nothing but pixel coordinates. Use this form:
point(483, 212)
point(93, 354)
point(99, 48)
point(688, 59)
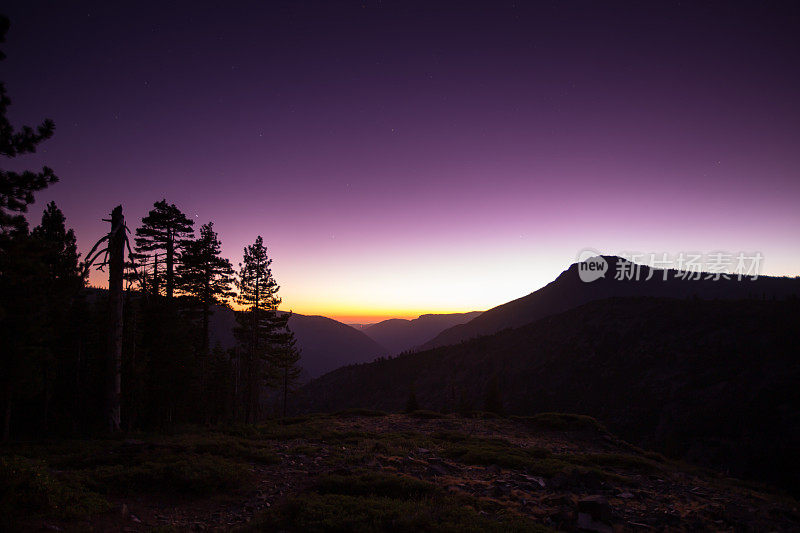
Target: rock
point(625, 495)
point(536, 479)
point(597, 507)
point(494, 469)
point(423, 450)
point(135, 519)
point(586, 523)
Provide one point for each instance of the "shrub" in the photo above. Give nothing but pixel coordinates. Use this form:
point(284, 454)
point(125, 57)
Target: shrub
point(186, 473)
point(27, 488)
point(493, 452)
point(226, 446)
point(380, 502)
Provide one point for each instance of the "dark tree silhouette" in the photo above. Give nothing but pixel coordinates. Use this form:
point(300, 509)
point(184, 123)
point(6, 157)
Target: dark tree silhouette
point(165, 228)
point(205, 275)
point(23, 327)
point(60, 250)
point(17, 188)
point(116, 262)
point(24, 330)
point(284, 362)
point(65, 278)
point(116, 241)
point(260, 328)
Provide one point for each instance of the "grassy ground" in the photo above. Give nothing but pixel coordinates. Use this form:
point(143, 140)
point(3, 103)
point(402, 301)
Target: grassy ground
point(369, 471)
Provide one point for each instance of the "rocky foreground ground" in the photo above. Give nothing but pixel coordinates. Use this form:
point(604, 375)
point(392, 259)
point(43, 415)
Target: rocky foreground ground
point(364, 471)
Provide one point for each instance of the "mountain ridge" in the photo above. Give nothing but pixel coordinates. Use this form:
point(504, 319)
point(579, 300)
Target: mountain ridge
point(399, 335)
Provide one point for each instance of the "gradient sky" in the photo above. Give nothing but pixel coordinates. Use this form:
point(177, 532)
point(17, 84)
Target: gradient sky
point(403, 158)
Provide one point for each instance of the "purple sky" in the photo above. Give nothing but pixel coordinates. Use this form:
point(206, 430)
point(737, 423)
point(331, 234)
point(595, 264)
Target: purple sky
point(400, 159)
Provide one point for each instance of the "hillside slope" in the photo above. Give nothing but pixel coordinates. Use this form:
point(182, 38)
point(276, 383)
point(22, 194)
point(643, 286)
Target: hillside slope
point(568, 291)
point(325, 343)
point(711, 381)
point(398, 335)
point(377, 472)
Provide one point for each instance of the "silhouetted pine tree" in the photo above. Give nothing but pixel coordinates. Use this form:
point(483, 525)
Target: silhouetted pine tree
point(59, 253)
point(24, 326)
point(205, 275)
point(284, 362)
point(164, 228)
point(260, 329)
point(63, 282)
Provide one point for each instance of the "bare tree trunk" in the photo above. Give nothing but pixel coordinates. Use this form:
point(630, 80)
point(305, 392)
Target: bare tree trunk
point(116, 260)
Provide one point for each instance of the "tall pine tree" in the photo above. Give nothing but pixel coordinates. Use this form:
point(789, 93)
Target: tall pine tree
point(64, 280)
point(23, 274)
point(60, 252)
point(205, 275)
point(260, 328)
point(165, 229)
